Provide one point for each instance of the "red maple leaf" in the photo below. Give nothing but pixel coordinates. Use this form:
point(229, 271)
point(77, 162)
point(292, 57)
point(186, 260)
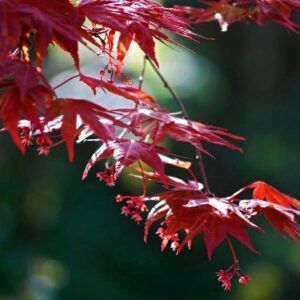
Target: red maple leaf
point(51, 21)
point(141, 21)
point(170, 181)
point(24, 92)
point(10, 30)
point(162, 124)
point(193, 213)
point(75, 111)
point(129, 92)
point(126, 152)
point(264, 191)
point(231, 11)
point(281, 218)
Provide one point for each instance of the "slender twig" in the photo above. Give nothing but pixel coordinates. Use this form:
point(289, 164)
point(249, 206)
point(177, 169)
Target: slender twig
point(140, 84)
point(144, 179)
point(199, 159)
point(142, 75)
point(65, 81)
point(179, 103)
point(235, 260)
point(123, 132)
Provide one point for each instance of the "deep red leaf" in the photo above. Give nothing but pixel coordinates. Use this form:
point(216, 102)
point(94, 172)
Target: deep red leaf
point(195, 214)
point(281, 218)
point(25, 93)
point(231, 11)
point(128, 92)
point(140, 20)
point(93, 115)
point(162, 124)
point(126, 152)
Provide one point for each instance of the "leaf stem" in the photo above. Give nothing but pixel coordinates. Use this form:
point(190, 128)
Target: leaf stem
point(65, 81)
point(181, 106)
point(140, 84)
point(235, 260)
point(144, 180)
point(142, 75)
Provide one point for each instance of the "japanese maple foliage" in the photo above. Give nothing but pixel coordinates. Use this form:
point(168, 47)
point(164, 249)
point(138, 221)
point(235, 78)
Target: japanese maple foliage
point(131, 138)
point(260, 12)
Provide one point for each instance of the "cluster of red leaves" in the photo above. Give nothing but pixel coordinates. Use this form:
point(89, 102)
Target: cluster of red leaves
point(140, 21)
point(32, 113)
point(195, 212)
point(187, 211)
point(28, 27)
point(227, 12)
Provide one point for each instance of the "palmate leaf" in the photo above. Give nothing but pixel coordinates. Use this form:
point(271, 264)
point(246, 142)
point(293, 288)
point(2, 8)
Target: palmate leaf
point(91, 114)
point(162, 124)
point(23, 93)
point(170, 181)
point(51, 21)
point(141, 21)
point(193, 212)
point(136, 95)
point(264, 191)
point(277, 207)
point(280, 217)
point(125, 153)
point(123, 46)
point(232, 11)
point(10, 30)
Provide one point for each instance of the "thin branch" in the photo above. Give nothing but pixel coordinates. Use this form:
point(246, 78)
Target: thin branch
point(169, 88)
point(65, 81)
point(201, 167)
point(123, 132)
point(142, 75)
point(140, 84)
point(179, 103)
point(235, 260)
point(144, 179)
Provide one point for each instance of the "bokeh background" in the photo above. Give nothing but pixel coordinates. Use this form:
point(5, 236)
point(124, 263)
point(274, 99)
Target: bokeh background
point(63, 238)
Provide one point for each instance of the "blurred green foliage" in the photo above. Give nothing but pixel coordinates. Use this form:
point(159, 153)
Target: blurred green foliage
point(61, 238)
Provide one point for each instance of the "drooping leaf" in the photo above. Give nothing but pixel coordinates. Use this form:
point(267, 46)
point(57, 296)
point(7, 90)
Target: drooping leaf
point(97, 118)
point(281, 218)
point(10, 30)
point(23, 93)
point(124, 42)
point(126, 152)
point(162, 124)
point(195, 214)
point(264, 191)
point(231, 11)
point(141, 20)
point(50, 21)
point(128, 92)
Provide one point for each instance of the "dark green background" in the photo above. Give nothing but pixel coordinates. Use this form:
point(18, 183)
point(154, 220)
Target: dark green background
point(61, 238)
